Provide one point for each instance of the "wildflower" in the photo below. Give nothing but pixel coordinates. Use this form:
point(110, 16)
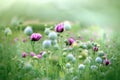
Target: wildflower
point(95, 48)
point(67, 25)
point(39, 56)
point(24, 54)
point(24, 40)
point(43, 53)
point(35, 37)
point(106, 62)
point(46, 44)
point(28, 30)
point(81, 67)
point(32, 54)
point(16, 39)
point(52, 35)
point(98, 60)
point(59, 27)
point(71, 41)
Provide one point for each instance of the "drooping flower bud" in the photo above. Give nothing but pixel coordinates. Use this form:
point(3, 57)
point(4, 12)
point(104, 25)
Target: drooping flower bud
point(59, 27)
point(24, 54)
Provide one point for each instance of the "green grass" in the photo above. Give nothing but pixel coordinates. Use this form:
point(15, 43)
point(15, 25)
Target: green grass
point(53, 66)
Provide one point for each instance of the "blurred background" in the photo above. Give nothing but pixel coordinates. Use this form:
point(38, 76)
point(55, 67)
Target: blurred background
point(86, 12)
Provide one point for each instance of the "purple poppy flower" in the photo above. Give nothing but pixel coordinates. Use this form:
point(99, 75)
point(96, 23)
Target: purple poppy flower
point(95, 48)
point(24, 40)
point(59, 27)
point(16, 39)
point(32, 54)
point(71, 41)
point(39, 56)
point(24, 54)
point(106, 62)
point(35, 37)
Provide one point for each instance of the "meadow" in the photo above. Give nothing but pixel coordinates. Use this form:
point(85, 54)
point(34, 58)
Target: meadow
point(73, 53)
point(59, 40)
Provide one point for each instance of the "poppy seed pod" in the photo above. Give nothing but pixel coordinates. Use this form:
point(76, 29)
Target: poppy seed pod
point(59, 27)
point(56, 47)
point(93, 67)
point(46, 44)
point(47, 31)
point(81, 67)
point(8, 31)
point(98, 60)
point(67, 25)
point(100, 53)
point(70, 56)
point(52, 35)
point(28, 30)
point(68, 65)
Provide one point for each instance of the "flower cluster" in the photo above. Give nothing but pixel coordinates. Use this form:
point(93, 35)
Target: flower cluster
point(67, 51)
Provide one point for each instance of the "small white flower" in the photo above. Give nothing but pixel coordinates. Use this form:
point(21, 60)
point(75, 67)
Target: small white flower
point(81, 67)
point(46, 44)
point(52, 35)
point(67, 25)
point(8, 31)
point(28, 30)
point(68, 65)
point(98, 60)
